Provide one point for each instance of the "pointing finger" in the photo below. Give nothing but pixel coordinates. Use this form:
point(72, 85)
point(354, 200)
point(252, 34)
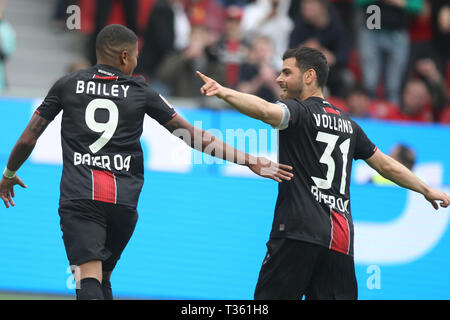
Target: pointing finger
point(202, 76)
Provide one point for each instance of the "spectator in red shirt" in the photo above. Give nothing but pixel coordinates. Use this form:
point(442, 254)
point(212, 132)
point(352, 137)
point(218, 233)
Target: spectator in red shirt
point(231, 47)
point(208, 13)
point(416, 102)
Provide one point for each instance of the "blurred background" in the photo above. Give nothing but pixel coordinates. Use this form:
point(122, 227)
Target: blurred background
point(389, 69)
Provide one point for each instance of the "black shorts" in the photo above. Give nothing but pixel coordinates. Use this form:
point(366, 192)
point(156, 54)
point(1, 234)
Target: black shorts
point(94, 230)
point(294, 269)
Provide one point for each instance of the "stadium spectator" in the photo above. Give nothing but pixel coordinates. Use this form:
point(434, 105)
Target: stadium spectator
point(318, 26)
point(344, 8)
point(390, 41)
point(427, 70)
point(415, 102)
point(358, 102)
point(7, 45)
point(167, 31)
point(421, 39)
point(360, 105)
point(257, 73)
point(210, 14)
point(403, 154)
point(231, 47)
point(102, 14)
point(440, 17)
point(269, 18)
point(177, 70)
point(346, 11)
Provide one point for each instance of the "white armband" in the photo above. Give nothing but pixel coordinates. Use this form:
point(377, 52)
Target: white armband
point(8, 173)
point(285, 118)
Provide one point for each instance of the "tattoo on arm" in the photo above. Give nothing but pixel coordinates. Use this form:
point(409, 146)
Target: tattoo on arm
point(37, 125)
point(173, 125)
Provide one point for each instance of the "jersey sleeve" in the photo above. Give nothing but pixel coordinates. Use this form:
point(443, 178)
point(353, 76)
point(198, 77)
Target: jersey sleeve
point(51, 105)
point(158, 107)
point(365, 148)
point(296, 111)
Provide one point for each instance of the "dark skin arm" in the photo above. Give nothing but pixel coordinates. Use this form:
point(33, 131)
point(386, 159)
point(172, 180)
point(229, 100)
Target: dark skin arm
point(20, 153)
point(198, 139)
point(207, 143)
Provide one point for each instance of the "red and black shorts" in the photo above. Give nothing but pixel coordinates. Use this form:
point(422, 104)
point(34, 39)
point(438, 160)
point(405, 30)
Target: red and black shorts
point(294, 269)
point(95, 230)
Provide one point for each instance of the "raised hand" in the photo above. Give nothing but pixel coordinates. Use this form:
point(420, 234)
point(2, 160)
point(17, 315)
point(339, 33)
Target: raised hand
point(211, 86)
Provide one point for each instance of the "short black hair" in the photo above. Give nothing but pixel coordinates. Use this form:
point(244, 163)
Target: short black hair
point(310, 58)
point(113, 39)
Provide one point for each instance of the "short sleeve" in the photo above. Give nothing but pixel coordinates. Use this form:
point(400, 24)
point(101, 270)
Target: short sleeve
point(284, 123)
point(364, 147)
point(296, 111)
point(159, 108)
point(51, 105)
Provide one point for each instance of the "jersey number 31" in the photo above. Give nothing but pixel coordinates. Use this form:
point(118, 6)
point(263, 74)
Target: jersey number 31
point(330, 140)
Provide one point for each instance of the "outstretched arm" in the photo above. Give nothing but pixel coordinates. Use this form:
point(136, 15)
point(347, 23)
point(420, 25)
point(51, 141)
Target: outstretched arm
point(247, 104)
point(21, 151)
point(208, 143)
point(396, 172)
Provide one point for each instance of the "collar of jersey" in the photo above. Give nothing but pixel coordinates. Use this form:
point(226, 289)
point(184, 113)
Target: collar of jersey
point(109, 68)
point(316, 98)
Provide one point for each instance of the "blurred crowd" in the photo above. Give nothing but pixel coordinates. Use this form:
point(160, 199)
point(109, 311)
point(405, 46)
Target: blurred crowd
point(392, 65)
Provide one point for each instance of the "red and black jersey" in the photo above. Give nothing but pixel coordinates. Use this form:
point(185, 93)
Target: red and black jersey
point(320, 143)
point(102, 122)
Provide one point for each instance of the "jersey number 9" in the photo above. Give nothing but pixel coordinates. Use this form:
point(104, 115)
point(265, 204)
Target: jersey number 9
point(108, 128)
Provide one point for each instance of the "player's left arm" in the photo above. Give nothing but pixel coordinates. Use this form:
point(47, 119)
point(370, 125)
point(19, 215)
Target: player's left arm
point(245, 103)
point(395, 171)
point(20, 153)
point(205, 142)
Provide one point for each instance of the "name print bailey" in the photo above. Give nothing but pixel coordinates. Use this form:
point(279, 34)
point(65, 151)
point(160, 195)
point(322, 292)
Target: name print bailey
point(102, 89)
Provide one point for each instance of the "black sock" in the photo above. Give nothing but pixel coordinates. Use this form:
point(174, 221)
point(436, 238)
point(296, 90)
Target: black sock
point(90, 289)
point(107, 291)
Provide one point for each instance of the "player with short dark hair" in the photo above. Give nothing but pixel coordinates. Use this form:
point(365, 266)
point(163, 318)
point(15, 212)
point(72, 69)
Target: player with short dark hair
point(103, 169)
point(310, 249)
